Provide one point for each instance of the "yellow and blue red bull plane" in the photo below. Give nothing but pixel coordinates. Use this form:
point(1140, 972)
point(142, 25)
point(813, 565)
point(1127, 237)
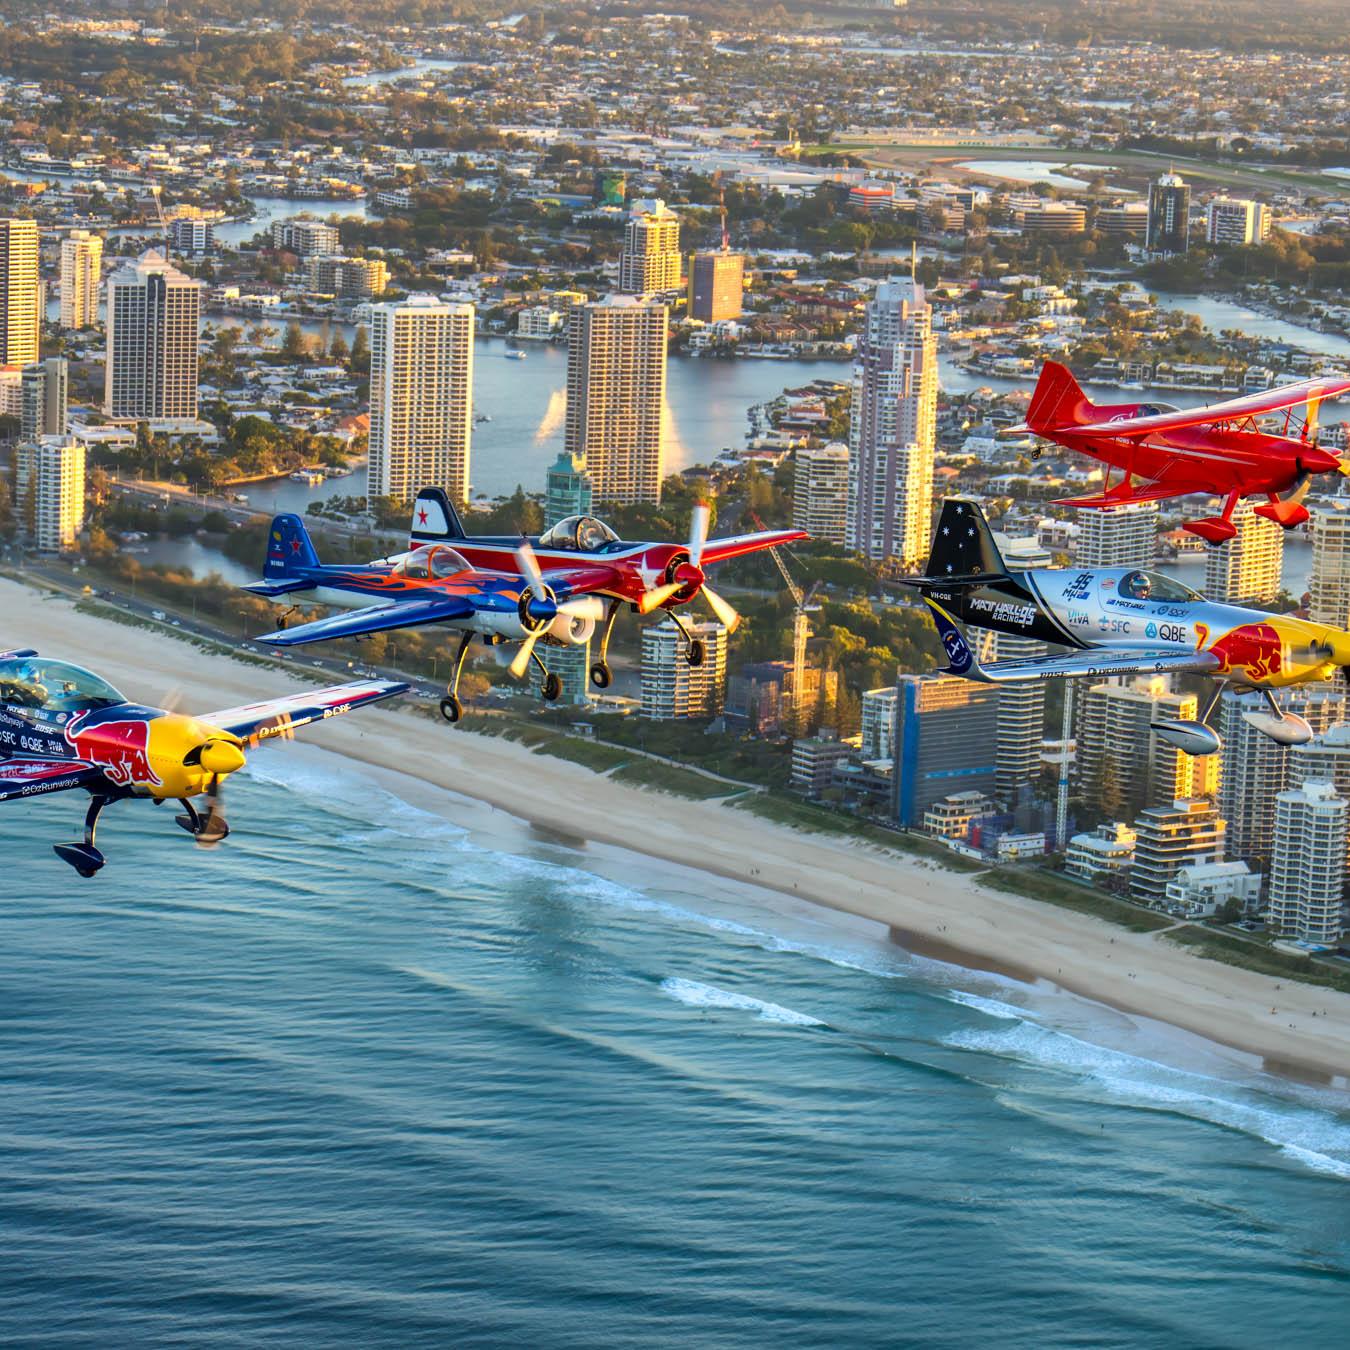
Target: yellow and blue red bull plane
point(554, 589)
point(1119, 621)
point(63, 727)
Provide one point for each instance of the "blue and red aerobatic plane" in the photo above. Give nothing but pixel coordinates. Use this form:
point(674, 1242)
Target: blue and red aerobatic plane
point(63, 727)
point(554, 588)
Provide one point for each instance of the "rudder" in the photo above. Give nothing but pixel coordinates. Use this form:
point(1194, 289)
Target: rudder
point(434, 518)
point(1058, 401)
point(289, 548)
point(963, 546)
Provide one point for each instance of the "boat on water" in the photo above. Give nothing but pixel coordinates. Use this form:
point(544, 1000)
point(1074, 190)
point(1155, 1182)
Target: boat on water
point(482, 417)
point(310, 477)
point(514, 354)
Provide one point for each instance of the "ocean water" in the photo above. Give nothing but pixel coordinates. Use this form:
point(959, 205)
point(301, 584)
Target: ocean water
point(365, 1077)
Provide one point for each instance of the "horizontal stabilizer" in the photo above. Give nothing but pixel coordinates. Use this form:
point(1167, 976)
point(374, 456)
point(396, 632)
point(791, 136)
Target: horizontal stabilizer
point(270, 588)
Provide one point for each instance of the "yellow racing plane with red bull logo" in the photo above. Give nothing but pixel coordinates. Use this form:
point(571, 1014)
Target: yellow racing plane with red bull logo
point(63, 727)
point(1120, 621)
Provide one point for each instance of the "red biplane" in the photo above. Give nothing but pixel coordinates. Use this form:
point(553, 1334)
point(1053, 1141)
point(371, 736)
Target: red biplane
point(1218, 451)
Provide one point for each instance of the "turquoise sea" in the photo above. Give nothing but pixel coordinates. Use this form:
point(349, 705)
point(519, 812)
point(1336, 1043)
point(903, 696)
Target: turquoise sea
point(363, 1076)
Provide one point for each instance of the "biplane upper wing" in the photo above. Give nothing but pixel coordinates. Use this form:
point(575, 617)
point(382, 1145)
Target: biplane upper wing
point(32, 776)
point(278, 716)
point(1233, 410)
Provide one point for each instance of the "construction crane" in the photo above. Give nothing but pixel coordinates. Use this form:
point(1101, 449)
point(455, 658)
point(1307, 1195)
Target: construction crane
point(155, 191)
point(801, 634)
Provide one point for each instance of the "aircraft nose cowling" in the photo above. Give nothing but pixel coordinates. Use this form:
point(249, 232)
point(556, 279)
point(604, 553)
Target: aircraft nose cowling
point(1316, 460)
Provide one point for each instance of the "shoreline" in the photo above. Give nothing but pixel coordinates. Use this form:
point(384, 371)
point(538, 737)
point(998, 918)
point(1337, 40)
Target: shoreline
point(1295, 1030)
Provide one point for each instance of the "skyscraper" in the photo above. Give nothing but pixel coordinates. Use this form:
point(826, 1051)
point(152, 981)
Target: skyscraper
point(671, 687)
point(303, 237)
point(1169, 213)
point(1246, 569)
point(20, 294)
point(1307, 864)
point(946, 733)
point(567, 489)
point(49, 490)
point(650, 260)
point(616, 392)
point(1021, 719)
point(1122, 765)
point(421, 397)
point(1233, 222)
point(893, 426)
point(1255, 770)
point(1329, 579)
point(1119, 536)
point(820, 492)
point(45, 389)
point(81, 271)
point(153, 317)
point(716, 286)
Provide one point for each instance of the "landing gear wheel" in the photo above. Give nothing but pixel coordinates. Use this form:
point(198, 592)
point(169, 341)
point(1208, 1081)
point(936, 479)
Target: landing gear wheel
point(601, 677)
point(281, 623)
point(451, 708)
point(696, 652)
point(551, 688)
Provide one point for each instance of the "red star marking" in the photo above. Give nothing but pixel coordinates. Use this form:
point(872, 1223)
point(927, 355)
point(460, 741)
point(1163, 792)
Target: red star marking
point(422, 515)
point(295, 546)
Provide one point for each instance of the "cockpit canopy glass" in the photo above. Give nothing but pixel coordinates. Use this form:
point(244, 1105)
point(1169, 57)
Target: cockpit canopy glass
point(53, 686)
point(1155, 586)
point(431, 562)
point(580, 534)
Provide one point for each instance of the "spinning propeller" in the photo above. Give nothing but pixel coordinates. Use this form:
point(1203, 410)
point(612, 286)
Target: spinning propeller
point(542, 607)
point(219, 757)
point(688, 576)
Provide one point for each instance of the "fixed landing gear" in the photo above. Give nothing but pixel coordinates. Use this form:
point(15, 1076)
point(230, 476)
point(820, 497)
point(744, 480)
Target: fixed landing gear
point(451, 708)
point(695, 649)
point(285, 617)
point(550, 688)
point(601, 675)
point(85, 857)
point(209, 829)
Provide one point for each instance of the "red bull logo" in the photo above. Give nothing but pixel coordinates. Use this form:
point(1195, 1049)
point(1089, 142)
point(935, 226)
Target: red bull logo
point(1255, 650)
point(118, 744)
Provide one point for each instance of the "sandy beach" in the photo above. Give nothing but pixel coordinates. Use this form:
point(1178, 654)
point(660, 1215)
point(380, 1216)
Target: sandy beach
point(939, 911)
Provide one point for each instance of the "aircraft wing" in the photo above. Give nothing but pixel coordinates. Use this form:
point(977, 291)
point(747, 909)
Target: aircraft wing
point(256, 722)
point(1234, 410)
point(1098, 661)
point(719, 550)
point(34, 776)
point(374, 619)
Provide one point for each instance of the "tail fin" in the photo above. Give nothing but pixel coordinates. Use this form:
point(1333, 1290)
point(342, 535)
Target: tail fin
point(1057, 401)
point(434, 518)
point(289, 548)
point(963, 547)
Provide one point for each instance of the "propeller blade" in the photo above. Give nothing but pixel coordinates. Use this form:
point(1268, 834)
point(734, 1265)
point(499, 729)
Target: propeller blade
point(698, 533)
point(726, 616)
point(520, 663)
point(657, 596)
point(172, 699)
point(584, 607)
point(529, 567)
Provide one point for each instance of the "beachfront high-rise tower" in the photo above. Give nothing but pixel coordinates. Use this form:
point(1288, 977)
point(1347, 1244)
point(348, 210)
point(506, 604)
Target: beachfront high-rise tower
point(1329, 579)
point(81, 271)
point(20, 294)
point(893, 426)
point(616, 393)
point(650, 260)
point(45, 389)
point(1307, 864)
point(1246, 569)
point(153, 319)
point(421, 397)
point(820, 492)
